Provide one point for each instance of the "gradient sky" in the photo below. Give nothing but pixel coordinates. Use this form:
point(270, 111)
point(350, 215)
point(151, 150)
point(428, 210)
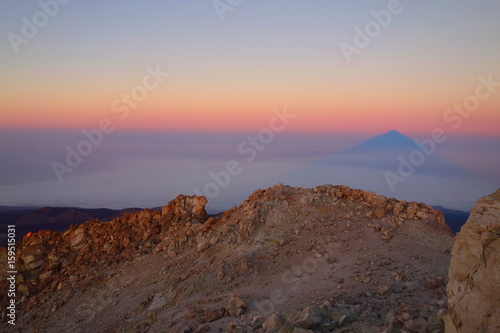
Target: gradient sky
point(228, 75)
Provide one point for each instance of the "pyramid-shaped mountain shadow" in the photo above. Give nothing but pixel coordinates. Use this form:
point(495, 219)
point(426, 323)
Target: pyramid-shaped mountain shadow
point(386, 152)
point(437, 181)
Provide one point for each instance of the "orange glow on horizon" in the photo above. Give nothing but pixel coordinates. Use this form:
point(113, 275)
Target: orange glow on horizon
point(305, 122)
point(344, 110)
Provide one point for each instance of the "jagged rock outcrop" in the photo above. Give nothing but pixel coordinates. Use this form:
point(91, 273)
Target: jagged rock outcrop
point(474, 277)
point(50, 261)
point(282, 254)
point(185, 209)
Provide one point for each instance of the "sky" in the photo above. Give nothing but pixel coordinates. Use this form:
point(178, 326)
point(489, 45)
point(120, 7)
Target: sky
point(227, 75)
point(343, 69)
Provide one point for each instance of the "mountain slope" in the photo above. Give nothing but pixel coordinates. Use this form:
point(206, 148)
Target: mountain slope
point(32, 220)
point(326, 258)
point(455, 219)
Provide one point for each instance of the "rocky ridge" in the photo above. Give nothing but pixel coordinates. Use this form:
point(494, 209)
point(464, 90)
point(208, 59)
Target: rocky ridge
point(288, 259)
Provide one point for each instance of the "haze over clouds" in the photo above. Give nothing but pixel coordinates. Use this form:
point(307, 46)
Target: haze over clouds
point(208, 85)
point(148, 169)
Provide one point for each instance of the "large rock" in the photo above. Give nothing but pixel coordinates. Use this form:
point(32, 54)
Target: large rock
point(185, 209)
point(474, 276)
point(78, 236)
point(235, 306)
point(32, 261)
point(310, 317)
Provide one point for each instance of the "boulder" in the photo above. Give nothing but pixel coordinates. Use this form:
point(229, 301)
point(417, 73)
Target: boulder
point(273, 323)
point(311, 317)
point(474, 276)
point(185, 209)
point(78, 236)
point(379, 212)
point(236, 305)
point(32, 261)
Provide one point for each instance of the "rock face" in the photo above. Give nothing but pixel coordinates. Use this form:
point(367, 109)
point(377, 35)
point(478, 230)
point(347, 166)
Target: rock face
point(185, 209)
point(474, 276)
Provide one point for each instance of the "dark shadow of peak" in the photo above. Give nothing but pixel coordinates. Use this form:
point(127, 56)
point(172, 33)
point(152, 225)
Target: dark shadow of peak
point(386, 152)
point(392, 139)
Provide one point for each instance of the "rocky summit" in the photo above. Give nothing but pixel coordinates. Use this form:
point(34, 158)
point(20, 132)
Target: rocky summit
point(288, 259)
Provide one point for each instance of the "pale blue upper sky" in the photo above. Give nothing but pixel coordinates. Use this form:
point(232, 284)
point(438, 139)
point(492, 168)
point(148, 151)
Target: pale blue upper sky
point(126, 31)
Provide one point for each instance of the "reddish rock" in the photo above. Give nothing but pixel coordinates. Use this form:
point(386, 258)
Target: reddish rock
point(379, 212)
point(185, 209)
